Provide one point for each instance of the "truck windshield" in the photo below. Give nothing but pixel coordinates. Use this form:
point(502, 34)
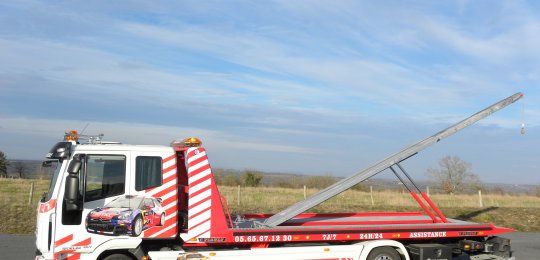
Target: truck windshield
point(56, 166)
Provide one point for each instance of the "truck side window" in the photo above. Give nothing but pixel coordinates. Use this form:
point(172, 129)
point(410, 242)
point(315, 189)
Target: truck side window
point(148, 172)
point(105, 176)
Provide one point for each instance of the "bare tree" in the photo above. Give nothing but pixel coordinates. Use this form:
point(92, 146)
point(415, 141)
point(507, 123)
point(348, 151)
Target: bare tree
point(3, 165)
point(454, 175)
point(20, 168)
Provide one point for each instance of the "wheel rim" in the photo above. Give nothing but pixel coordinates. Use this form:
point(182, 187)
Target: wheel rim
point(138, 227)
point(384, 257)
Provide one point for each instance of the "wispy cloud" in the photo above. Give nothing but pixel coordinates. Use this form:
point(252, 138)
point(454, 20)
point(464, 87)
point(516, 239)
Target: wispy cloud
point(267, 77)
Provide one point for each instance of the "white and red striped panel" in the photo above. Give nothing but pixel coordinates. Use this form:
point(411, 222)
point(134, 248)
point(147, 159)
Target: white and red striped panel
point(199, 196)
point(168, 193)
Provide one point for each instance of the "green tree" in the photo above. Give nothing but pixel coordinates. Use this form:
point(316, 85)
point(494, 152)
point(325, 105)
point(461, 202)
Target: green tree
point(252, 178)
point(3, 164)
point(454, 175)
point(226, 177)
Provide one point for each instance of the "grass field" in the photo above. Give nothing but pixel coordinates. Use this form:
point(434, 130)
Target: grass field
point(519, 212)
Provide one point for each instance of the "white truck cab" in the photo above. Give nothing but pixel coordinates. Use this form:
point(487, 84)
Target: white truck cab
point(106, 195)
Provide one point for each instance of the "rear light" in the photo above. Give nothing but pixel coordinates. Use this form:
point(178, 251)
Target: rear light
point(470, 246)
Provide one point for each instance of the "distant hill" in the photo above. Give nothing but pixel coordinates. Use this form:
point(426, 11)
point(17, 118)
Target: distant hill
point(298, 180)
point(33, 169)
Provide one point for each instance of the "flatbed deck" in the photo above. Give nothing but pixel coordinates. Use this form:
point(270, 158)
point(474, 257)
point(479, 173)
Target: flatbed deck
point(311, 227)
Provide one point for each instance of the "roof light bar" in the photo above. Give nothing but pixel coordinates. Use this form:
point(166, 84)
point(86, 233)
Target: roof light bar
point(188, 142)
point(71, 136)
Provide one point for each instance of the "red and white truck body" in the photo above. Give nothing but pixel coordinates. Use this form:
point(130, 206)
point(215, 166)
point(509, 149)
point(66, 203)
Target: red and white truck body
point(187, 186)
point(119, 201)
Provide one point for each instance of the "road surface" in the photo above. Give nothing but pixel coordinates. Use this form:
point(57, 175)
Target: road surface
point(526, 246)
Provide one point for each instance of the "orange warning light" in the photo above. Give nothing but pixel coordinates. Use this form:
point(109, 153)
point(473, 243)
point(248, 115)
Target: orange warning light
point(188, 142)
point(71, 136)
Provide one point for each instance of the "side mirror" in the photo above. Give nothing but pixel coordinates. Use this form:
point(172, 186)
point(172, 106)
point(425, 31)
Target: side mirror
point(48, 163)
point(75, 165)
point(71, 193)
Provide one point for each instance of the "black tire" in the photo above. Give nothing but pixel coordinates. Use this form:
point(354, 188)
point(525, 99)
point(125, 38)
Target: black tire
point(384, 253)
point(137, 226)
point(118, 257)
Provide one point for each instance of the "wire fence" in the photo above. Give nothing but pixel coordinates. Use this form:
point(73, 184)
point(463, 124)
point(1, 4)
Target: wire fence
point(273, 199)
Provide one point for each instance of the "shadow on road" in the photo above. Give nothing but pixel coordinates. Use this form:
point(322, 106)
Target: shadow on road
point(473, 214)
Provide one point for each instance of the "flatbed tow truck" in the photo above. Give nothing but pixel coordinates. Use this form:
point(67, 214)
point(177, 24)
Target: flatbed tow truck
point(115, 201)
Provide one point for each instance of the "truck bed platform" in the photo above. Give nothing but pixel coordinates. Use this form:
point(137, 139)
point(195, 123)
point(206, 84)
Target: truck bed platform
point(342, 227)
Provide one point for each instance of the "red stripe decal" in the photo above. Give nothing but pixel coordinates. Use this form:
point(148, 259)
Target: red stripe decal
point(198, 235)
point(63, 240)
point(199, 170)
point(169, 233)
point(198, 203)
point(192, 153)
point(199, 213)
point(170, 168)
point(85, 242)
point(197, 161)
point(168, 201)
point(171, 210)
point(156, 229)
point(169, 158)
point(165, 191)
point(193, 194)
point(74, 257)
point(170, 178)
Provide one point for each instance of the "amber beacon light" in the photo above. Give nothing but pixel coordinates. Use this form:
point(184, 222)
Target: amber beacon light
point(188, 142)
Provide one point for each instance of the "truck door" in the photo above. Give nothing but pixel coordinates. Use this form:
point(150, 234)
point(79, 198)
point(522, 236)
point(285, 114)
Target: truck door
point(155, 181)
point(85, 214)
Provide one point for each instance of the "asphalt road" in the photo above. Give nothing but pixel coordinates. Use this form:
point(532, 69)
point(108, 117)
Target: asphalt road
point(526, 246)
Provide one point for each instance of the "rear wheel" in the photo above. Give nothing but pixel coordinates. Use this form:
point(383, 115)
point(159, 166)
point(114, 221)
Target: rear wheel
point(384, 253)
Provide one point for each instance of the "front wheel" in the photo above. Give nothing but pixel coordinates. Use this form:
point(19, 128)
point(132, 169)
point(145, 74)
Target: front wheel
point(384, 253)
point(117, 257)
point(137, 226)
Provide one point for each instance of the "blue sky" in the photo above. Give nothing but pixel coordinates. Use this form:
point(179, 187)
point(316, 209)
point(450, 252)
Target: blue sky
point(311, 87)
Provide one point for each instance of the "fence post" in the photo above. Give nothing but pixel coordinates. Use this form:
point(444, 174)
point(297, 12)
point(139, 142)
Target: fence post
point(238, 201)
point(371, 194)
point(480, 199)
point(31, 193)
point(427, 190)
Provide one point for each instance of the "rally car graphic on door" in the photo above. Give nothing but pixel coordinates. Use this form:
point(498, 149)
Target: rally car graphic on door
point(128, 214)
